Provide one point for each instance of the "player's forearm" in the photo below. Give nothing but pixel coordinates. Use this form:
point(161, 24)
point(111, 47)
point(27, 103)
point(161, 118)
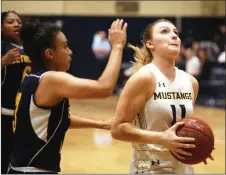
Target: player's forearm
point(110, 75)
point(98, 51)
point(129, 133)
point(79, 122)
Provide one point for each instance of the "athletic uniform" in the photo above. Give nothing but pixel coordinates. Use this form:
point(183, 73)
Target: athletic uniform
point(171, 101)
point(40, 131)
point(11, 77)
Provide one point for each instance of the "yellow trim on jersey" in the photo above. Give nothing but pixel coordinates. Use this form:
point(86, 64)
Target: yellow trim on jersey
point(27, 69)
point(18, 98)
point(23, 59)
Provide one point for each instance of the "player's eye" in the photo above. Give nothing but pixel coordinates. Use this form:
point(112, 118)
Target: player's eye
point(10, 21)
point(176, 32)
point(164, 31)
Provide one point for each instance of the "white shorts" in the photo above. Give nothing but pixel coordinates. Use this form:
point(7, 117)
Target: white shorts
point(146, 162)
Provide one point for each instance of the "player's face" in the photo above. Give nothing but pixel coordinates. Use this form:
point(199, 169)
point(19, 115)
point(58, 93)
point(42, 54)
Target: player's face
point(165, 40)
point(62, 53)
point(11, 26)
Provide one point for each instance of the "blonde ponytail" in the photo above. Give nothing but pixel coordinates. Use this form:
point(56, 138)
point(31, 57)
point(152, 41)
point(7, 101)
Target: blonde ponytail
point(141, 56)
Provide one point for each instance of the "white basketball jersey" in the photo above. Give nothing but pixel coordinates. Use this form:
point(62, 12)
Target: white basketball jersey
point(171, 101)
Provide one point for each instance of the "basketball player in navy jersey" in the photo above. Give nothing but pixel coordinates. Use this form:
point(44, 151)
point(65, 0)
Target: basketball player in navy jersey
point(154, 98)
point(42, 108)
point(14, 65)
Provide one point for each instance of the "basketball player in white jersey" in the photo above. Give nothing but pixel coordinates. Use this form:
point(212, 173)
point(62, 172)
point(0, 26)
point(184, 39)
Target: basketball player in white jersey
point(154, 98)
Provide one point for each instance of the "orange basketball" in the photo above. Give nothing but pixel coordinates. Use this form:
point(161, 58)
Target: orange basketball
point(204, 139)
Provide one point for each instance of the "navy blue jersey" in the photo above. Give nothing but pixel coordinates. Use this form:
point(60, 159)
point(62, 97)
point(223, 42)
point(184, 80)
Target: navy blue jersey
point(12, 75)
point(40, 131)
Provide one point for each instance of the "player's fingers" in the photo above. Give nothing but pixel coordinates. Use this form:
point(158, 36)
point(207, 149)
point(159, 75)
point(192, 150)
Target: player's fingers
point(178, 155)
point(120, 24)
point(211, 157)
point(116, 24)
point(113, 25)
point(16, 57)
point(183, 152)
point(14, 50)
point(17, 52)
point(185, 139)
point(205, 162)
point(125, 27)
point(185, 145)
point(177, 125)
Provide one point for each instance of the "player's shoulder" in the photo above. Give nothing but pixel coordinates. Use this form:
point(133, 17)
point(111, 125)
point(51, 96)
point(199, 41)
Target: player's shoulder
point(142, 79)
point(193, 80)
point(145, 73)
point(55, 78)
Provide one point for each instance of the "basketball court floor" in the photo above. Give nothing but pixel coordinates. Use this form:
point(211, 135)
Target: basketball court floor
point(93, 151)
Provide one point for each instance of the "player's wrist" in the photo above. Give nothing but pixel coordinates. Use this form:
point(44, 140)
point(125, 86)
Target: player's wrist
point(159, 138)
point(118, 47)
point(151, 137)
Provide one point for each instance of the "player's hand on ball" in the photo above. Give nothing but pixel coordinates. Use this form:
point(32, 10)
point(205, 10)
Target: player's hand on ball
point(210, 157)
point(117, 34)
point(176, 144)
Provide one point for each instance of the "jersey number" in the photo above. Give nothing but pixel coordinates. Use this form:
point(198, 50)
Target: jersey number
point(183, 113)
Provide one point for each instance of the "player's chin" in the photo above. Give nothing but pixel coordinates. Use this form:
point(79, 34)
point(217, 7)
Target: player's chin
point(69, 65)
point(14, 37)
point(66, 68)
point(174, 52)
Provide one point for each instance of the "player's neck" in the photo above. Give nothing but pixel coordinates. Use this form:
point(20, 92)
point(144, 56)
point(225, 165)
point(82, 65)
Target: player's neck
point(166, 67)
point(17, 42)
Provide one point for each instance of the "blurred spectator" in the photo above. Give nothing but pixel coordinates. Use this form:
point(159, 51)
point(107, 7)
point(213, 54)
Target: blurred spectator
point(220, 37)
point(180, 63)
point(206, 65)
point(101, 49)
point(221, 57)
point(128, 72)
point(211, 48)
point(193, 64)
point(195, 47)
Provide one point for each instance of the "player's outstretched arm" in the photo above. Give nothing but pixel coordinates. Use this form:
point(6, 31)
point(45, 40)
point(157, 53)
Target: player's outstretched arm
point(80, 122)
point(67, 86)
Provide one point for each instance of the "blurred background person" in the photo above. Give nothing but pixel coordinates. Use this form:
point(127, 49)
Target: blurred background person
point(14, 66)
point(211, 48)
point(180, 59)
point(193, 64)
point(206, 65)
point(221, 57)
point(220, 36)
point(101, 49)
point(195, 47)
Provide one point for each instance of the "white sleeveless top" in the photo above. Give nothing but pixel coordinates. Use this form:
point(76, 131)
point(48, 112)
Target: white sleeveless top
point(171, 101)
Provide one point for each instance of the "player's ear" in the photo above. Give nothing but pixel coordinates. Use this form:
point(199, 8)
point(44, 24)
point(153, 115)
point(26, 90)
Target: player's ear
point(49, 54)
point(149, 44)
